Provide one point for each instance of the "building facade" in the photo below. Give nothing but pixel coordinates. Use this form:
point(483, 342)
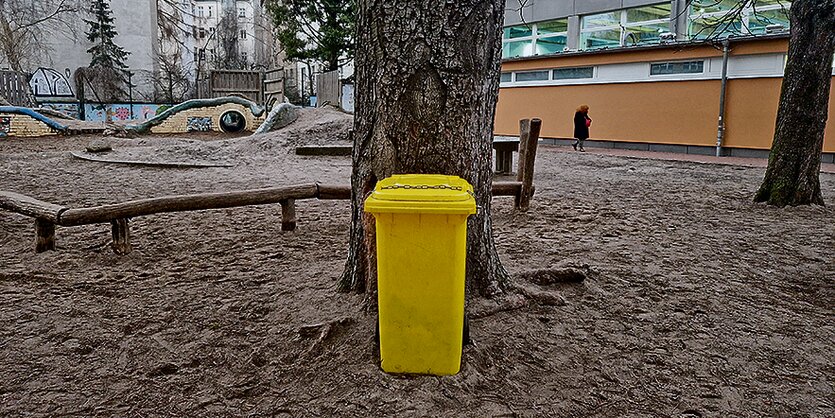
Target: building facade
point(240, 27)
point(136, 26)
point(651, 72)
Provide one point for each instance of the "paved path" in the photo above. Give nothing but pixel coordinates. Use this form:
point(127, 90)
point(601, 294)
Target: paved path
point(671, 156)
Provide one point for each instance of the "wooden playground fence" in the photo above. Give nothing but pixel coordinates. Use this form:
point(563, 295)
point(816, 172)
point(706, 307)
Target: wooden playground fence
point(221, 83)
point(14, 87)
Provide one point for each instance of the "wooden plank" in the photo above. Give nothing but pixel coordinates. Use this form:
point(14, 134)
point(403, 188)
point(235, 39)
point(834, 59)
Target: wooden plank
point(288, 214)
point(44, 236)
point(182, 203)
point(524, 133)
point(524, 199)
point(30, 206)
point(507, 188)
point(121, 236)
point(330, 191)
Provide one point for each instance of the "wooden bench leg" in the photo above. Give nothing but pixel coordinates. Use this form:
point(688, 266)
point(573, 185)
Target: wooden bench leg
point(44, 236)
point(501, 162)
point(121, 236)
point(288, 214)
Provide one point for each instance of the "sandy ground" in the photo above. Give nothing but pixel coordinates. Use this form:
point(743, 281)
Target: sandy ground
point(703, 303)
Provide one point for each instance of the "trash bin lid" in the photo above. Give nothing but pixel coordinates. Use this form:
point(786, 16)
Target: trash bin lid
point(422, 193)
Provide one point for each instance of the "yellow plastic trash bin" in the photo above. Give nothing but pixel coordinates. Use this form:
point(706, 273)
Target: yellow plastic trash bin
point(421, 257)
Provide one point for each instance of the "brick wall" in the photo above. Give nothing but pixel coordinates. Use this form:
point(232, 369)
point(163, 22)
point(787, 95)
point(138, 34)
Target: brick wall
point(178, 123)
point(24, 126)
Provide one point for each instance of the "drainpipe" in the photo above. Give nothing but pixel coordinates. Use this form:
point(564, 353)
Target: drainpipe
point(720, 133)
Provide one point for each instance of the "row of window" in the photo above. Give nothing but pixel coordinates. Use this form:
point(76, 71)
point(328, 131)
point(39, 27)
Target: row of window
point(579, 73)
point(201, 32)
point(200, 54)
point(647, 24)
point(207, 12)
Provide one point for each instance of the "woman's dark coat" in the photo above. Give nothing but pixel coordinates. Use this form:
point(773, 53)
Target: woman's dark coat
point(581, 131)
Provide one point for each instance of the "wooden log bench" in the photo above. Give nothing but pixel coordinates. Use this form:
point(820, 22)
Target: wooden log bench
point(47, 215)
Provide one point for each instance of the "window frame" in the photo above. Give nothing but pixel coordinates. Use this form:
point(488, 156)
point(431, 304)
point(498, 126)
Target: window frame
point(533, 37)
point(548, 81)
point(623, 26)
point(593, 69)
point(745, 17)
point(703, 61)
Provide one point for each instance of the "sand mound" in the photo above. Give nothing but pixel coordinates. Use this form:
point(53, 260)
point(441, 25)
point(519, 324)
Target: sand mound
point(323, 126)
point(319, 126)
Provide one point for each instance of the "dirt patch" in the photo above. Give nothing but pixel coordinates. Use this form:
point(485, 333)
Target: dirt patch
point(701, 303)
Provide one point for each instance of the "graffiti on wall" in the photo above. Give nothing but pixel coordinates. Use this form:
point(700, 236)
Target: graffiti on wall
point(5, 125)
point(122, 111)
point(199, 124)
point(69, 109)
point(46, 82)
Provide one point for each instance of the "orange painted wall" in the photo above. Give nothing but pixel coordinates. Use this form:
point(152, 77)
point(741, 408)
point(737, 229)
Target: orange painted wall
point(751, 112)
point(682, 112)
point(660, 112)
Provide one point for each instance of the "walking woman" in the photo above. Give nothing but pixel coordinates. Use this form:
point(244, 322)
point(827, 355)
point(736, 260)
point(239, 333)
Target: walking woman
point(582, 121)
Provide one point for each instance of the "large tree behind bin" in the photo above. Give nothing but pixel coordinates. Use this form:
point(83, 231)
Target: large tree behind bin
point(792, 176)
point(427, 84)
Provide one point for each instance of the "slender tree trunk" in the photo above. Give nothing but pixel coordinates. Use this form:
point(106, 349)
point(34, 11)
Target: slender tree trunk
point(792, 177)
point(427, 85)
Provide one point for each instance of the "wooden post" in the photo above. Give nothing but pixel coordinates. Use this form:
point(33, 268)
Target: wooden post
point(121, 236)
point(288, 214)
point(526, 164)
point(44, 235)
point(524, 134)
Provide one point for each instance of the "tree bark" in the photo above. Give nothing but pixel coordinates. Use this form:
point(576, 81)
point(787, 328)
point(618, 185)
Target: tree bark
point(792, 176)
point(427, 85)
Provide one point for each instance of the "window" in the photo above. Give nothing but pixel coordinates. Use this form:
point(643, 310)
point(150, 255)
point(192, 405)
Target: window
point(686, 67)
point(532, 75)
point(241, 12)
point(243, 34)
point(243, 56)
point(506, 77)
point(551, 37)
point(195, 54)
point(199, 11)
point(536, 39)
point(723, 18)
point(572, 73)
point(210, 11)
point(202, 32)
point(639, 25)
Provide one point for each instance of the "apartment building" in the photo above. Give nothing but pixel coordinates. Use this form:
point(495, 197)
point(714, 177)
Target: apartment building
point(244, 23)
point(651, 71)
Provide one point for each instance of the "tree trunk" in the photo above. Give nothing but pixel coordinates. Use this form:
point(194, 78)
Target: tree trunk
point(427, 85)
point(792, 177)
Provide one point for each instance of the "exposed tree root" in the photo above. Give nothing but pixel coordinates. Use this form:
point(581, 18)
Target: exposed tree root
point(483, 308)
point(569, 274)
point(325, 331)
point(519, 296)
